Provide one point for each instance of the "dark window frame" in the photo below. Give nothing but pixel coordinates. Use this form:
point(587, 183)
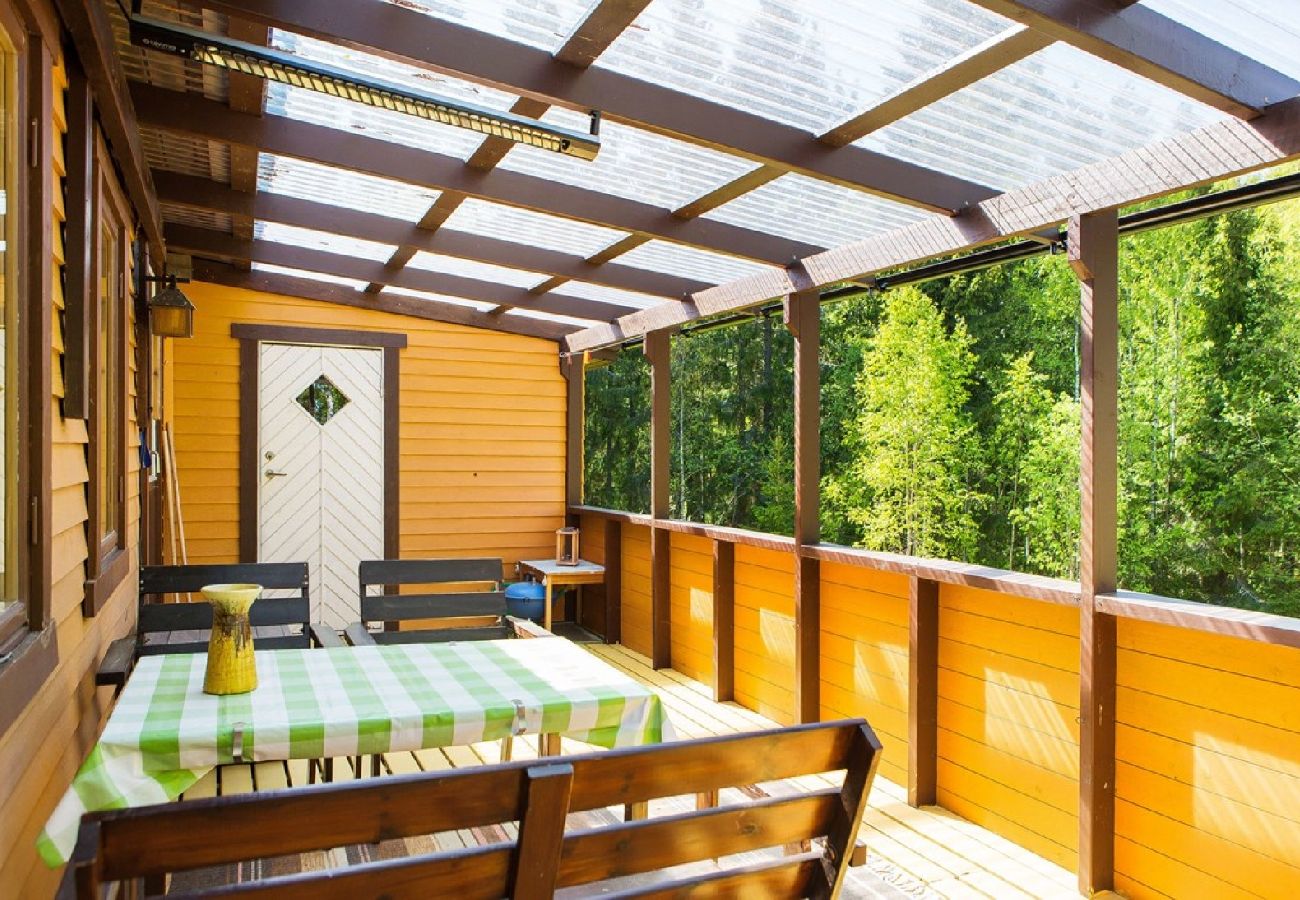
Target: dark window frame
point(28, 642)
point(109, 555)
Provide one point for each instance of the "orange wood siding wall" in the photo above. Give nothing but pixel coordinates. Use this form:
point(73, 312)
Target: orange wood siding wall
point(765, 632)
point(692, 605)
point(864, 655)
point(482, 429)
point(1208, 765)
point(636, 588)
point(1008, 704)
point(43, 749)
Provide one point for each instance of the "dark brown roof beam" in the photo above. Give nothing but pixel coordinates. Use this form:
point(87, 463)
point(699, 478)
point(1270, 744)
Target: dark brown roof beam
point(1157, 47)
point(198, 117)
point(92, 36)
point(412, 37)
point(432, 310)
point(247, 94)
point(213, 244)
point(204, 194)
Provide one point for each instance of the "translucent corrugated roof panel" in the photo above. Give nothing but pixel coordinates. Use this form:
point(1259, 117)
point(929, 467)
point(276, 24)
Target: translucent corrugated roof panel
point(808, 63)
point(186, 155)
point(163, 69)
point(320, 240)
point(545, 24)
point(805, 209)
point(314, 276)
point(524, 226)
point(468, 268)
point(536, 315)
point(674, 259)
point(1266, 30)
point(1049, 113)
point(588, 291)
point(202, 218)
point(632, 164)
point(439, 298)
point(334, 112)
point(339, 187)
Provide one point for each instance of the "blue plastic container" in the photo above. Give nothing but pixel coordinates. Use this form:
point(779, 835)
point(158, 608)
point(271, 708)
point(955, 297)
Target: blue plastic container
point(526, 600)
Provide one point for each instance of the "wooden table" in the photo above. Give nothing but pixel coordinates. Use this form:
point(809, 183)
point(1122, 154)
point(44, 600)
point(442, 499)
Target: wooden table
point(552, 573)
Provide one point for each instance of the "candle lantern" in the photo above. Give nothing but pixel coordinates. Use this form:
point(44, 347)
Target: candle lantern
point(566, 546)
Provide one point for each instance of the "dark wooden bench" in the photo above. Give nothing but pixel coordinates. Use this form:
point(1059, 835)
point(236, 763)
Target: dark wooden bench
point(809, 837)
point(156, 617)
point(391, 608)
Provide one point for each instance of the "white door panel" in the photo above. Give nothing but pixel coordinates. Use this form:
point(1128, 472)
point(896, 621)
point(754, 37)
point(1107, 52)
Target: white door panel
point(327, 506)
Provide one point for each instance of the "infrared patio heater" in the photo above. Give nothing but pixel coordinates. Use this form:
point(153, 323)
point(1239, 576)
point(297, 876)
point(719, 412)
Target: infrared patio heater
point(274, 65)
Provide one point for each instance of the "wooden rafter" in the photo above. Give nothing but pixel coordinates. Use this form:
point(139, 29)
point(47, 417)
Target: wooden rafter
point(603, 23)
point(993, 55)
point(246, 94)
point(407, 35)
point(1221, 150)
point(218, 245)
point(273, 283)
point(92, 35)
point(204, 194)
point(1153, 45)
point(198, 117)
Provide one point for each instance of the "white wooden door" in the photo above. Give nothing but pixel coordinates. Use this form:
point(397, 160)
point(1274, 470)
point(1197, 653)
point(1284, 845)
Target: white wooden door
point(321, 452)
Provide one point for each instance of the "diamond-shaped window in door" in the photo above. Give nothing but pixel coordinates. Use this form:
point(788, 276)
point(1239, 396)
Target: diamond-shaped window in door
point(322, 399)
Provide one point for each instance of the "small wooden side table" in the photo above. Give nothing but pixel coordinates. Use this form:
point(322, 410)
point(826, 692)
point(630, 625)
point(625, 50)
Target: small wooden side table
point(551, 574)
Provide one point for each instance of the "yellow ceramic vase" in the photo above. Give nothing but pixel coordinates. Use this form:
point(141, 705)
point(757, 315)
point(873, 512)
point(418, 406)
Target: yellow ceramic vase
point(231, 667)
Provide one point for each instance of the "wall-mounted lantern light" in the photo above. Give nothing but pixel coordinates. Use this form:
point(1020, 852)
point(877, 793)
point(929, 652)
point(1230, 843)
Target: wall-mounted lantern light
point(171, 314)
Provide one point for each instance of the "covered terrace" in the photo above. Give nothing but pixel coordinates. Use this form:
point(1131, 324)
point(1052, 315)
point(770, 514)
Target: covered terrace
point(661, 166)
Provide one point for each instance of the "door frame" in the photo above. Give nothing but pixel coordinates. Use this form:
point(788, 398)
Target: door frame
point(250, 337)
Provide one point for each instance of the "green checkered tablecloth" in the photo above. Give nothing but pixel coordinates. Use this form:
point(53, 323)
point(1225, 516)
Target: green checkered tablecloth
point(165, 733)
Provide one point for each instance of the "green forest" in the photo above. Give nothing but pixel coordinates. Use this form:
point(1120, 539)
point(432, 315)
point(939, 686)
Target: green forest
point(950, 417)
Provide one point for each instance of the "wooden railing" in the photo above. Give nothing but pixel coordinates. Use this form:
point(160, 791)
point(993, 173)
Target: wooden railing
point(971, 675)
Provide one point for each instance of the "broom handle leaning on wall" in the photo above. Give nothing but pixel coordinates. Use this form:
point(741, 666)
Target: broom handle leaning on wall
point(174, 481)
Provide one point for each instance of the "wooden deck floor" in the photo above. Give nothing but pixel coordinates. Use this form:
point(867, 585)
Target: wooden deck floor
point(911, 853)
point(926, 852)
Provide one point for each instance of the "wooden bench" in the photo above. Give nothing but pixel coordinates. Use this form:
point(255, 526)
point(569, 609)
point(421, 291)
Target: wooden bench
point(153, 842)
point(391, 608)
point(156, 617)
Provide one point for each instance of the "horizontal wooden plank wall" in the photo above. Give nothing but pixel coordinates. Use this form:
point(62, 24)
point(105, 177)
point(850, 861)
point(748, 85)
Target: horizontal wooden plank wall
point(1008, 701)
point(692, 606)
point(864, 655)
point(1208, 765)
point(765, 632)
point(482, 429)
point(43, 749)
point(635, 621)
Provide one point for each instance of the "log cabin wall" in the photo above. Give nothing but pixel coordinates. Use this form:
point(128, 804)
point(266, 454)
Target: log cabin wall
point(1208, 724)
point(43, 747)
point(481, 428)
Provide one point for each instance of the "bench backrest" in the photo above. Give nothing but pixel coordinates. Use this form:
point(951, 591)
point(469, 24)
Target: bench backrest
point(159, 581)
point(390, 574)
point(537, 794)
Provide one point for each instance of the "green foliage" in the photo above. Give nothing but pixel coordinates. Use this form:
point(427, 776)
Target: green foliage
point(950, 417)
point(913, 440)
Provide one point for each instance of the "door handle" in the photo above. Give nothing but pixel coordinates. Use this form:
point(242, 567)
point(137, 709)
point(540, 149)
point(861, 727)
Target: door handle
point(271, 473)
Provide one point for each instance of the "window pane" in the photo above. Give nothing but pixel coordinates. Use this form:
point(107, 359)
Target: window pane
point(109, 376)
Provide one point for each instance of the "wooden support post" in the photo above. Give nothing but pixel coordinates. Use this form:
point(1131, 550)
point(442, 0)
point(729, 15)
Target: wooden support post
point(1094, 256)
point(724, 621)
point(657, 350)
point(575, 378)
point(923, 693)
point(613, 581)
point(802, 313)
